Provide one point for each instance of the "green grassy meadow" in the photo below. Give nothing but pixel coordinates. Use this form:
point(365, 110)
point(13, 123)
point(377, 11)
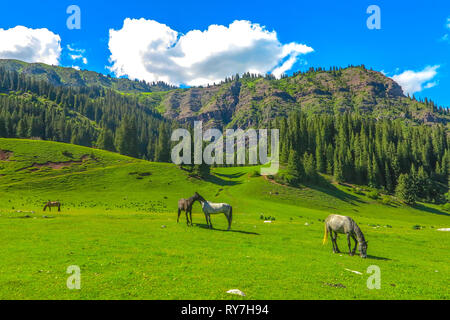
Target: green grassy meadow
point(118, 224)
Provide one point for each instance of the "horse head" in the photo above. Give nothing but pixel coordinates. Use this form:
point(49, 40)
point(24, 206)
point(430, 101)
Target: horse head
point(363, 249)
point(198, 197)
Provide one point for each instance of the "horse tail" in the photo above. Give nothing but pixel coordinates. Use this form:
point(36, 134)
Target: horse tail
point(325, 236)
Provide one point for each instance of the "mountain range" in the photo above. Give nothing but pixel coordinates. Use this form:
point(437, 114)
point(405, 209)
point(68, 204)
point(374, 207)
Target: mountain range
point(253, 100)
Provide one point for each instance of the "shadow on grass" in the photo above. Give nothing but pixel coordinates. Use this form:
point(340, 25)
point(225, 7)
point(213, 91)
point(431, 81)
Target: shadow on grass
point(421, 207)
point(231, 176)
point(205, 226)
point(221, 182)
point(324, 186)
point(377, 258)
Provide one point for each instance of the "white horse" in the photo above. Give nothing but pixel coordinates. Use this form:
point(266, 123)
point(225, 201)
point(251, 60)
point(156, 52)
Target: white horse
point(348, 226)
point(214, 208)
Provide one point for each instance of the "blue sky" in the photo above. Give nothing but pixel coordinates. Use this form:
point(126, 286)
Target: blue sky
point(413, 43)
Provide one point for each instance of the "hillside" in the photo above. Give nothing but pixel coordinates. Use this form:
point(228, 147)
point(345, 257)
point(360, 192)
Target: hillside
point(252, 101)
point(118, 223)
point(63, 76)
point(355, 145)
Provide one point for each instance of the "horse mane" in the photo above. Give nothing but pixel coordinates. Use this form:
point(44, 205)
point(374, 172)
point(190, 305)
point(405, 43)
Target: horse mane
point(358, 232)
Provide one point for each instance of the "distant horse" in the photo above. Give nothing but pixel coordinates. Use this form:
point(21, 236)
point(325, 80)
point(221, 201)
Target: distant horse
point(186, 206)
point(51, 204)
point(214, 208)
point(344, 224)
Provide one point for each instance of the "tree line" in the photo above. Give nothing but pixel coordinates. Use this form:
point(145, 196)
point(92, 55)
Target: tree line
point(90, 116)
point(410, 161)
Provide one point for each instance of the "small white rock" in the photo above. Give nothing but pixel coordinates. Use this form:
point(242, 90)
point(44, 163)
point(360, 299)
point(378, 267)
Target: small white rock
point(443, 229)
point(236, 291)
point(306, 224)
point(357, 272)
point(267, 221)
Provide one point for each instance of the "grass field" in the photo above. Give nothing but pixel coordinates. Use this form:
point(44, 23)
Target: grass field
point(118, 224)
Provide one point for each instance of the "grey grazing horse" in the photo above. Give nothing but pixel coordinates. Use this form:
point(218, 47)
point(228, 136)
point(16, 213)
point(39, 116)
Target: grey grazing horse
point(214, 208)
point(186, 206)
point(344, 224)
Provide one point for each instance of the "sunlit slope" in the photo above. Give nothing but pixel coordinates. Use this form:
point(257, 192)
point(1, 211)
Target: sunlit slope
point(118, 223)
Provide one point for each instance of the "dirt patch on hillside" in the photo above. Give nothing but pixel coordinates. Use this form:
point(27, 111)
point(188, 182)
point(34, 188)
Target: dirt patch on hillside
point(273, 181)
point(56, 165)
point(5, 155)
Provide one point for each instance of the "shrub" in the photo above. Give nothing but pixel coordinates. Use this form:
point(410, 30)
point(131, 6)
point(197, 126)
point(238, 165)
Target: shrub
point(254, 173)
point(67, 154)
point(386, 200)
point(446, 206)
point(373, 195)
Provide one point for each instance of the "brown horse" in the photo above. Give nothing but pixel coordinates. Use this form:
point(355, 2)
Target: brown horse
point(51, 204)
point(186, 206)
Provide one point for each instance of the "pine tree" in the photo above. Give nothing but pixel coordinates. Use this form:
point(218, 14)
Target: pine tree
point(405, 190)
point(22, 128)
point(201, 170)
point(295, 170)
point(388, 178)
point(310, 168)
point(126, 138)
point(162, 149)
point(105, 140)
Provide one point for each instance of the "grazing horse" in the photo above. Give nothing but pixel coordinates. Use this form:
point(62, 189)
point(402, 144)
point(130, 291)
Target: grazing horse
point(51, 204)
point(344, 224)
point(186, 206)
point(214, 208)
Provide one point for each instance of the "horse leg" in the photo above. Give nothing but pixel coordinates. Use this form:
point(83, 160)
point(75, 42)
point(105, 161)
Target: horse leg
point(349, 244)
point(356, 242)
point(187, 216)
point(330, 232)
point(335, 243)
point(59, 208)
point(210, 223)
point(190, 215)
point(179, 212)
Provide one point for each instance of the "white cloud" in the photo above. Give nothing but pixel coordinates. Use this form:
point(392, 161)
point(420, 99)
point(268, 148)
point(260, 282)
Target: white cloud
point(416, 81)
point(445, 37)
point(30, 45)
point(76, 54)
point(149, 50)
